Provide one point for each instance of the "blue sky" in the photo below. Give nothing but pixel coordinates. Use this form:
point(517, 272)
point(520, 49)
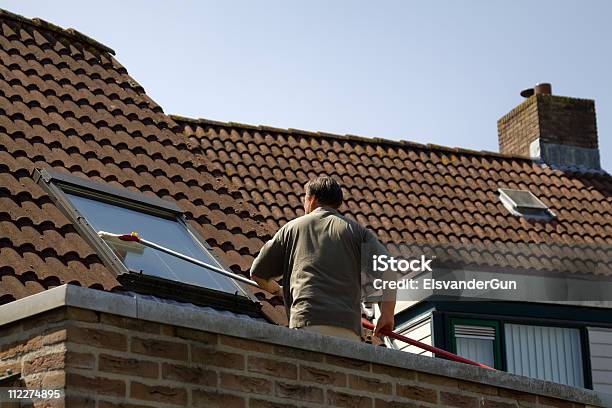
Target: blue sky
point(438, 72)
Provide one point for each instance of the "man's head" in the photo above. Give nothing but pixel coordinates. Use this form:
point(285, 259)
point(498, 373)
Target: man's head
point(322, 192)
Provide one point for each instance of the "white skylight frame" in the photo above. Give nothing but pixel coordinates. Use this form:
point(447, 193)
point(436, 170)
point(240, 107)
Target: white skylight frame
point(535, 209)
point(60, 185)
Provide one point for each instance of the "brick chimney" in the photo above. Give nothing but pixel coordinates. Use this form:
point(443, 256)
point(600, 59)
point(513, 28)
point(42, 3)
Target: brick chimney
point(558, 130)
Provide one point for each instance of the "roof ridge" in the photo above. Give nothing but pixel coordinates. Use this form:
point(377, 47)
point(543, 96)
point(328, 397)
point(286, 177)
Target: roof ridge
point(365, 139)
point(71, 33)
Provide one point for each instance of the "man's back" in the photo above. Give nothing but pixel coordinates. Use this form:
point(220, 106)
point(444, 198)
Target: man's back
point(324, 270)
point(319, 257)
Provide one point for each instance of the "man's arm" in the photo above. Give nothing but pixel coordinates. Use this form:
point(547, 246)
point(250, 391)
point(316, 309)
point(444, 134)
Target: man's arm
point(387, 305)
point(268, 265)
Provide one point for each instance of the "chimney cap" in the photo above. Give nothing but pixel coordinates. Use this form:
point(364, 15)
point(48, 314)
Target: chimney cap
point(543, 88)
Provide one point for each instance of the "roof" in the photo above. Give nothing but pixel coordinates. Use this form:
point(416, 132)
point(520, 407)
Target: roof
point(413, 195)
point(68, 104)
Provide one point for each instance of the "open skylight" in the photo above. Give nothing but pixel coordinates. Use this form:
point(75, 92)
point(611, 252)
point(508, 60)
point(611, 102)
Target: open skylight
point(98, 207)
point(524, 204)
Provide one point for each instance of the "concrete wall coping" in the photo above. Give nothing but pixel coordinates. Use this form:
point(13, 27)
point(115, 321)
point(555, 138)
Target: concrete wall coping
point(190, 317)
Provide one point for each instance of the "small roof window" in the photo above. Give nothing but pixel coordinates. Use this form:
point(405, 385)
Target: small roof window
point(524, 204)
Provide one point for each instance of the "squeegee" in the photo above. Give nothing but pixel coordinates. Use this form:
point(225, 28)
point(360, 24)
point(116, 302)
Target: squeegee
point(133, 242)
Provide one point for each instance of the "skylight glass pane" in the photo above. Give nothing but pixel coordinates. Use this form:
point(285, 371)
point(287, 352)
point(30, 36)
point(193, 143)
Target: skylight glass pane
point(168, 233)
point(524, 199)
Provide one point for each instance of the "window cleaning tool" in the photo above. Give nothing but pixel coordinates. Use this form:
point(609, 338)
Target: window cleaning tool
point(121, 245)
point(435, 350)
point(133, 242)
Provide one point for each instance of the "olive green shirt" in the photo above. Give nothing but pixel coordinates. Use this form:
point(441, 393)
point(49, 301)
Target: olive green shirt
point(319, 256)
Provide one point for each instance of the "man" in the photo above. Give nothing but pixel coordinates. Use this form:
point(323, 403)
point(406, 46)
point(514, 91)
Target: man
point(319, 257)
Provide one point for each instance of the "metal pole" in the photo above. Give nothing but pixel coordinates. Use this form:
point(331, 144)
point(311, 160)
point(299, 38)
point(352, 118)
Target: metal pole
point(133, 238)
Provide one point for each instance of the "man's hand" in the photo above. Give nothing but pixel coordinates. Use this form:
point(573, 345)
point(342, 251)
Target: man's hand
point(386, 321)
point(387, 305)
point(270, 286)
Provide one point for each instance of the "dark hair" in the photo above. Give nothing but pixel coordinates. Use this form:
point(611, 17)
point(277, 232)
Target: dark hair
point(326, 190)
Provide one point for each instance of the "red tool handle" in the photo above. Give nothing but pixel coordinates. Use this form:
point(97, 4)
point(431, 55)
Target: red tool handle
point(435, 350)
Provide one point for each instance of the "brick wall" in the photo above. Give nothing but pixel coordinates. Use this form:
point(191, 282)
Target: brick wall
point(568, 121)
point(553, 119)
point(107, 361)
point(517, 129)
point(36, 348)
